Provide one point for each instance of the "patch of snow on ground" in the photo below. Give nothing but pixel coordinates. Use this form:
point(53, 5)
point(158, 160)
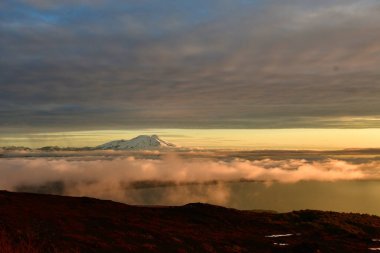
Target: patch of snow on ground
point(280, 235)
point(281, 244)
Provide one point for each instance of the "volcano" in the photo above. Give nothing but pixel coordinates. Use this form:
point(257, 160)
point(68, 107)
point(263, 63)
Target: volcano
point(141, 142)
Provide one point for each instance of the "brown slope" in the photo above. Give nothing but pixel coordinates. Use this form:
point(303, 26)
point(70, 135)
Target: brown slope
point(48, 223)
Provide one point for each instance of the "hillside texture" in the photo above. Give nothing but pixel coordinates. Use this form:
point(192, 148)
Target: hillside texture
point(48, 223)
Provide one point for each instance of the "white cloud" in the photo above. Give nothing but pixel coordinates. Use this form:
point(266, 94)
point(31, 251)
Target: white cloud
point(114, 179)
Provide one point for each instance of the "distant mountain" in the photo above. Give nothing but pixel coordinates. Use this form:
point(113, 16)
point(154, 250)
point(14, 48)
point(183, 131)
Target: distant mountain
point(140, 142)
point(50, 148)
point(15, 148)
point(56, 148)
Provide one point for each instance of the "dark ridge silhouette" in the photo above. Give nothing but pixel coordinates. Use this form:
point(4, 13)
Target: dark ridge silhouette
point(49, 223)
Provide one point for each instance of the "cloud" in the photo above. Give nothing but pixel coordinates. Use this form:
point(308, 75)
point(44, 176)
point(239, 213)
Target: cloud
point(50, 4)
point(251, 64)
point(134, 180)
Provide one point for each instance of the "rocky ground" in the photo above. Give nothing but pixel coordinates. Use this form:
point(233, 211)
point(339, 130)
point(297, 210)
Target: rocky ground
point(48, 223)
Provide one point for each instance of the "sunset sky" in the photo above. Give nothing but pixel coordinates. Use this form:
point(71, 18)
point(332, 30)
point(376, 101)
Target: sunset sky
point(207, 73)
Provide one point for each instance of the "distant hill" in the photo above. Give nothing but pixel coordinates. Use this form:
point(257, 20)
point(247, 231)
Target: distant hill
point(15, 148)
point(140, 142)
point(47, 223)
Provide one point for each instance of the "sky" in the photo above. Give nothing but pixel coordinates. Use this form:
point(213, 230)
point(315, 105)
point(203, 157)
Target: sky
point(202, 65)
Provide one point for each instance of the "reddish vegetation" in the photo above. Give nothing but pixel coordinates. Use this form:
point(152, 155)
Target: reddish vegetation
point(47, 223)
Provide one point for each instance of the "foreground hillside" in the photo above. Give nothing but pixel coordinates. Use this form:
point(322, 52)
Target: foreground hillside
point(47, 223)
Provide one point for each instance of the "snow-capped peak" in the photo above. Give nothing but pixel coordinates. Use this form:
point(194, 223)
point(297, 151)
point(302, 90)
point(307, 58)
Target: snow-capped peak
point(139, 142)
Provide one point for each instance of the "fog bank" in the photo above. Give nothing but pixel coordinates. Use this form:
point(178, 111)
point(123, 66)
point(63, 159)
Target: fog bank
point(191, 180)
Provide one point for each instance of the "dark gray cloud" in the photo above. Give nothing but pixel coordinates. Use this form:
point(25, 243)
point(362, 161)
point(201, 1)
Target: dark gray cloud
point(204, 64)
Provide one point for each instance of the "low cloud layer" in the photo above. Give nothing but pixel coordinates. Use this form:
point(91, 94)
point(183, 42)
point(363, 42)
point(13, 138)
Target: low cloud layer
point(180, 181)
